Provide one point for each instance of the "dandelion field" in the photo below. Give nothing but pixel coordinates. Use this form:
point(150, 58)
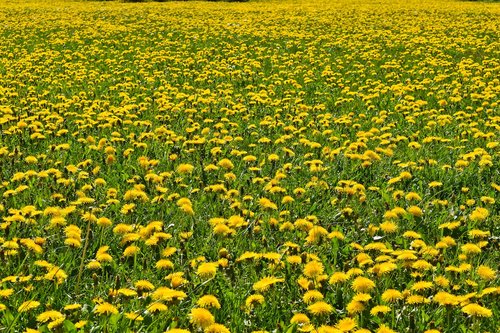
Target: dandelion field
point(271, 166)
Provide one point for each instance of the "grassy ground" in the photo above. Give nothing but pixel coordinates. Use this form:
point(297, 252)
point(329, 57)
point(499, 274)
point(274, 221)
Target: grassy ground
point(281, 166)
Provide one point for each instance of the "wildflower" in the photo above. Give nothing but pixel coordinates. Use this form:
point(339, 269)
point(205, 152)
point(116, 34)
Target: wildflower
point(338, 277)
point(384, 329)
point(391, 295)
point(226, 164)
point(207, 270)
point(253, 300)
point(263, 284)
point(355, 307)
point(470, 248)
point(299, 318)
point(157, 307)
point(208, 301)
point(479, 214)
point(216, 328)
point(201, 317)
point(415, 211)
point(50, 315)
point(312, 296)
point(320, 308)
point(476, 310)
point(346, 324)
point(313, 268)
point(486, 273)
point(28, 305)
point(185, 168)
point(379, 309)
point(362, 284)
point(134, 316)
point(144, 285)
point(105, 309)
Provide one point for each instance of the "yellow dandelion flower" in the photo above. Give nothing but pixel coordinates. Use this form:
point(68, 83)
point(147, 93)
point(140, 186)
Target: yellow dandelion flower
point(479, 214)
point(134, 316)
point(384, 329)
point(476, 310)
point(185, 168)
point(486, 273)
point(263, 284)
point(142, 285)
point(361, 297)
point(338, 277)
point(201, 317)
point(415, 211)
point(355, 307)
point(470, 248)
point(208, 301)
point(362, 284)
point(253, 300)
point(157, 307)
point(207, 270)
point(28, 305)
point(320, 308)
point(216, 328)
point(226, 164)
point(105, 309)
point(311, 296)
point(299, 318)
point(313, 269)
point(346, 324)
point(50, 315)
point(379, 309)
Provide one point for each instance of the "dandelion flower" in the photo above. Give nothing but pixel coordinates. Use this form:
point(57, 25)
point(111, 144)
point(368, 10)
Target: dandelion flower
point(299, 318)
point(105, 309)
point(391, 295)
point(313, 268)
point(263, 284)
point(477, 310)
point(384, 329)
point(28, 305)
point(379, 309)
point(216, 328)
point(207, 270)
point(50, 315)
point(346, 324)
point(320, 308)
point(201, 317)
point(486, 273)
point(208, 301)
point(362, 284)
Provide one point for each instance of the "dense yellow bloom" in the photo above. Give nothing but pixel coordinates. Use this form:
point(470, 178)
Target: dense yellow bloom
point(201, 317)
point(185, 168)
point(299, 318)
point(50, 315)
point(362, 284)
point(486, 272)
point(265, 283)
point(477, 310)
point(28, 305)
point(208, 301)
point(313, 268)
point(216, 328)
point(320, 308)
point(346, 324)
point(105, 308)
point(207, 270)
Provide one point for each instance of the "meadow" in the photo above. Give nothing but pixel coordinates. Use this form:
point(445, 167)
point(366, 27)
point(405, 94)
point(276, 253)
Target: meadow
point(269, 166)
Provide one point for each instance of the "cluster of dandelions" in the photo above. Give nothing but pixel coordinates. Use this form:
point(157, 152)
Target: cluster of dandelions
point(212, 167)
